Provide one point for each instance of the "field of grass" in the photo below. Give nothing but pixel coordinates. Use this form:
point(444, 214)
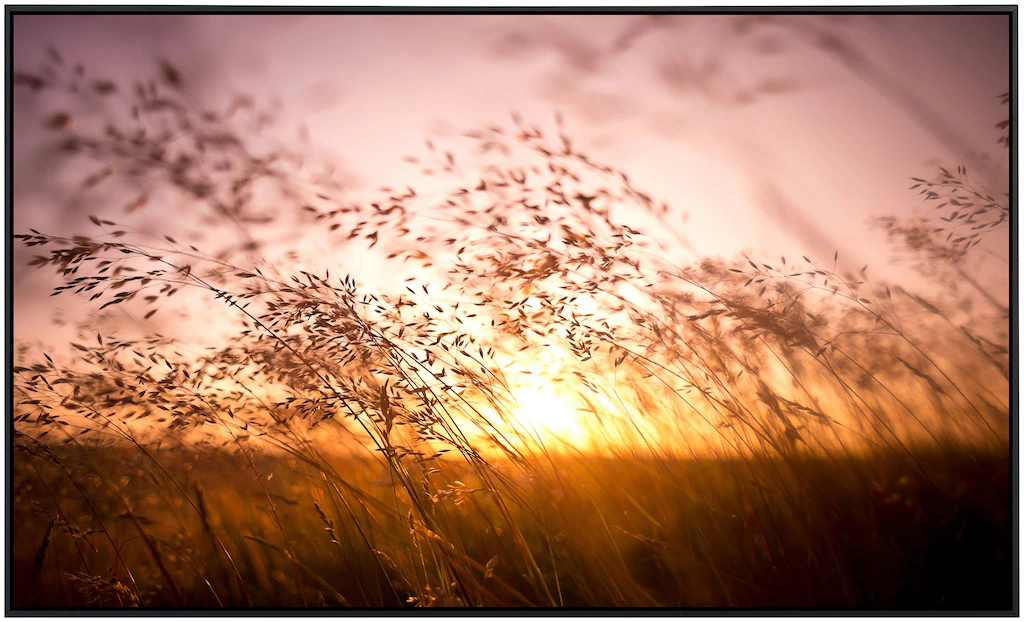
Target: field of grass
point(598, 532)
point(551, 410)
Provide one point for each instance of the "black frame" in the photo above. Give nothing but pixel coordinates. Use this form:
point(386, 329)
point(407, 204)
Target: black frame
point(1011, 10)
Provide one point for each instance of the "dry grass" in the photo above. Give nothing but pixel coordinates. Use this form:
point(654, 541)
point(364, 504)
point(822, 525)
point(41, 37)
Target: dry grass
point(791, 434)
point(609, 532)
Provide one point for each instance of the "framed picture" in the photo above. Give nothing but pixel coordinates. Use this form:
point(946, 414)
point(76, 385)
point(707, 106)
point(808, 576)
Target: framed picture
point(662, 311)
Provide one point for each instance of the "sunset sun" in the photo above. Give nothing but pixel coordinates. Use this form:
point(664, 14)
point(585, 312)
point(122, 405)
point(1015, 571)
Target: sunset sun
point(543, 410)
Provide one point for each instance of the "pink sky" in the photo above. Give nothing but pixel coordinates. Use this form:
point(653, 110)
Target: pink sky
point(833, 151)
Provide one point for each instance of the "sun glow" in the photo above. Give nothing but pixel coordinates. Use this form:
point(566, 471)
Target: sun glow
point(542, 411)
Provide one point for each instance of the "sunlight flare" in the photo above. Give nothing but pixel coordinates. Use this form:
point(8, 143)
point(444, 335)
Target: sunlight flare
point(549, 415)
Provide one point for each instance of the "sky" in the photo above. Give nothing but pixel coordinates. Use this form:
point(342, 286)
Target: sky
point(766, 138)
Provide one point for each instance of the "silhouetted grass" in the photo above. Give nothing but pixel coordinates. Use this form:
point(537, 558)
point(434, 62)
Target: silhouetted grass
point(751, 434)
